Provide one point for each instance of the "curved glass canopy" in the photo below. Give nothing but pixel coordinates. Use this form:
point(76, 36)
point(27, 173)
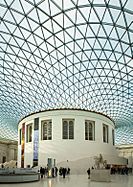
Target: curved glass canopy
point(66, 54)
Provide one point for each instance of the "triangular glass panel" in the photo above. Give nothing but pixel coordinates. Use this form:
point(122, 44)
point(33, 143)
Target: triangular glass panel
point(17, 16)
point(68, 37)
point(115, 44)
point(100, 11)
point(59, 19)
point(84, 57)
point(3, 2)
point(3, 46)
point(115, 14)
point(97, 45)
point(76, 59)
point(102, 32)
point(89, 32)
point(59, 3)
point(46, 33)
point(102, 42)
point(8, 16)
point(60, 36)
point(130, 64)
point(89, 52)
point(26, 6)
point(80, 42)
point(56, 27)
point(82, 29)
point(107, 46)
point(107, 17)
point(42, 16)
point(68, 4)
point(117, 3)
point(78, 34)
point(108, 29)
point(51, 42)
point(118, 55)
point(48, 26)
point(10, 27)
point(128, 52)
point(129, 18)
point(120, 31)
point(68, 51)
point(113, 34)
point(93, 17)
point(54, 55)
point(39, 36)
point(50, 47)
point(94, 56)
point(19, 36)
point(37, 54)
point(80, 18)
point(58, 42)
point(112, 57)
point(125, 37)
point(121, 21)
point(124, 46)
point(129, 4)
point(34, 16)
point(53, 8)
point(86, 11)
point(67, 21)
point(44, 7)
point(26, 33)
point(102, 56)
point(95, 28)
point(88, 45)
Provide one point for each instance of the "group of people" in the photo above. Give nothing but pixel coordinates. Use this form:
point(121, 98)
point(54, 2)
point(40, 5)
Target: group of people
point(54, 172)
point(120, 170)
point(64, 171)
point(43, 172)
point(123, 170)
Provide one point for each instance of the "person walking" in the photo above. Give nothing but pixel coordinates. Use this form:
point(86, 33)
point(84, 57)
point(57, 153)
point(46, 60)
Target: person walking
point(88, 171)
point(64, 172)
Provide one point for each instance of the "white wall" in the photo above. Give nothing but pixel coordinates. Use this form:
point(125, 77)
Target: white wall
point(71, 150)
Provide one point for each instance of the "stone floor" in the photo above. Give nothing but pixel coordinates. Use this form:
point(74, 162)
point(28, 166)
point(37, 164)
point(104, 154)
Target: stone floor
point(77, 181)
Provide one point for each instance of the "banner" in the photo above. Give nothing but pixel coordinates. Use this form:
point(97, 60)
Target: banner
point(36, 142)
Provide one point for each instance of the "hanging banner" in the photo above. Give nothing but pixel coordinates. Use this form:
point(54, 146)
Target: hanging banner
point(36, 142)
point(22, 145)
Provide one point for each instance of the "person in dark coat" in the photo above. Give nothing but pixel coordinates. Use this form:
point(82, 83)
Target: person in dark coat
point(68, 171)
point(60, 171)
point(88, 171)
point(53, 172)
point(64, 172)
point(41, 172)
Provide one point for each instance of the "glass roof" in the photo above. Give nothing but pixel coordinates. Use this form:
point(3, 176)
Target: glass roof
point(66, 54)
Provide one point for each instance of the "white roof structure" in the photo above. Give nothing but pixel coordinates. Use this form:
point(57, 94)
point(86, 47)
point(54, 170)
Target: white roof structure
point(66, 54)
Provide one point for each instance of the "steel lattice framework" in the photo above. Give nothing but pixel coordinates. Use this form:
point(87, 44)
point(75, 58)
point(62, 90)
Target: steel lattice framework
point(66, 54)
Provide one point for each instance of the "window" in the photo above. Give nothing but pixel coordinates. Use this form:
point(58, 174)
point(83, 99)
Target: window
point(29, 133)
point(89, 130)
point(113, 136)
point(46, 130)
point(68, 128)
point(105, 133)
point(20, 136)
